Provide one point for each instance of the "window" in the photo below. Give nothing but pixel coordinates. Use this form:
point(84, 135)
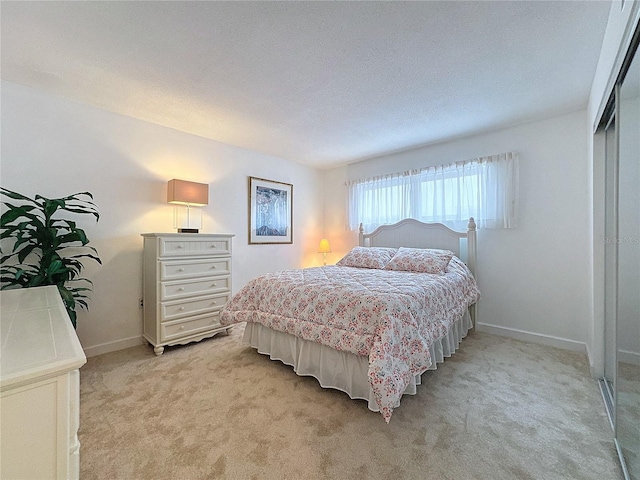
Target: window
point(485, 188)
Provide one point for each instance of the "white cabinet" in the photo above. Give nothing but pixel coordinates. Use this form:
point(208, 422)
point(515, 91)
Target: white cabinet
point(187, 281)
point(39, 386)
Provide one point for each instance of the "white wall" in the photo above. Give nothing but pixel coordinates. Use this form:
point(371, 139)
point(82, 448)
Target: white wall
point(55, 147)
point(534, 279)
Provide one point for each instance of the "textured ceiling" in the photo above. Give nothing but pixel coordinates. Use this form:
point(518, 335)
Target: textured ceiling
point(320, 83)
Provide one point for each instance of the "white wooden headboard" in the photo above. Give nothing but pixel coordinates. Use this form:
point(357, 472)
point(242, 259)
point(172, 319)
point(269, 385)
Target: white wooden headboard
point(413, 233)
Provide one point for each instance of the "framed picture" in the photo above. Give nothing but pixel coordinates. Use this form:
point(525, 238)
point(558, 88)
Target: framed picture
point(270, 211)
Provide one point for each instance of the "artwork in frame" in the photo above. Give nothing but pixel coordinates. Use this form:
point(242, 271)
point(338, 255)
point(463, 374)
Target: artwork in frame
point(270, 211)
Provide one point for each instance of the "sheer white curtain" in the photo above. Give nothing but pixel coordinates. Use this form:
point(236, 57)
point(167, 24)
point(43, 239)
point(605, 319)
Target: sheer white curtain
point(485, 188)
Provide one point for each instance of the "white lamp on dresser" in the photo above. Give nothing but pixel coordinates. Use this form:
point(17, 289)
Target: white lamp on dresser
point(39, 386)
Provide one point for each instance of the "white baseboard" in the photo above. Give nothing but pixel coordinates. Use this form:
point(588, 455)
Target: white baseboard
point(113, 346)
point(532, 337)
point(629, 357)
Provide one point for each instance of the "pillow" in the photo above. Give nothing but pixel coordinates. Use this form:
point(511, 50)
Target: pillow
point(422, 260)
point(367, 257)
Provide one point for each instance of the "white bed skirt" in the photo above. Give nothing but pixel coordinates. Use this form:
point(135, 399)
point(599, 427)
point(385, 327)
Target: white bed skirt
point(341, 370)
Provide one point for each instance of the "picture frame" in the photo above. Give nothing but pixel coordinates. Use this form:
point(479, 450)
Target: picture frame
point(270, 212)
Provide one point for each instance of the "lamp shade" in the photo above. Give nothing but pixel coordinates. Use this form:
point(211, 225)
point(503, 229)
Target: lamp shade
point(187, 193)
point(324, 246)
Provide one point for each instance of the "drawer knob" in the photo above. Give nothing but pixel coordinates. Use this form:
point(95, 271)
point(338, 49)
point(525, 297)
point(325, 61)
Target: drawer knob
point(179, 246)
point(181, 289)
point(181, 269)
point(181, 308)
point(181, 327)
point(213, 267)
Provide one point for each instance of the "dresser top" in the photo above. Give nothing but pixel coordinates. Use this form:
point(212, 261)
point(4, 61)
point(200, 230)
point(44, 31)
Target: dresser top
point(37, 338)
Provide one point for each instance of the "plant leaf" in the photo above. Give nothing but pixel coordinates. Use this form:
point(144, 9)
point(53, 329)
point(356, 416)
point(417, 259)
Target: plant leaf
point(15, 195)
point(14, 213)
point(24, 253)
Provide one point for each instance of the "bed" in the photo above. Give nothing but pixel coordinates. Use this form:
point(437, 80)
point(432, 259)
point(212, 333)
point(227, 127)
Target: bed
point(391, 309)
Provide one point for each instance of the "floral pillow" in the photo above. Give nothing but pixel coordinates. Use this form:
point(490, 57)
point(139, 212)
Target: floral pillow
point(367, 257)
point(422, 260)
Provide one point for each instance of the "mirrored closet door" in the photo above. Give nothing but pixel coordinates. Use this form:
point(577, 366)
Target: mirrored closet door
point(628, 281)
point(621, 382)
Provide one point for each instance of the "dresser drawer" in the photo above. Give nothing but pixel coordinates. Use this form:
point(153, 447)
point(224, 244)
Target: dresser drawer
point(194, 268)
point(194, 306)
point(177, 329)
point(182, 289)
point(171, 247)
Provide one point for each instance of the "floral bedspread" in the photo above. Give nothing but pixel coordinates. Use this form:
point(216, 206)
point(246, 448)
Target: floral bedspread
point(392, 317)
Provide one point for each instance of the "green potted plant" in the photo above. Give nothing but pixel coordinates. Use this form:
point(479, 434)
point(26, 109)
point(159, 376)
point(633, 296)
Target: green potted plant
point(39, 248)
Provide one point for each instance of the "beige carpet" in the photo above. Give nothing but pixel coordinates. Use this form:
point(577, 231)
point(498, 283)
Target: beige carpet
point(498, 409)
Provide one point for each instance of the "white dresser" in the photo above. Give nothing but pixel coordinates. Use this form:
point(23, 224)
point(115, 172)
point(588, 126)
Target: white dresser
point(186, 282)
point(39, 386)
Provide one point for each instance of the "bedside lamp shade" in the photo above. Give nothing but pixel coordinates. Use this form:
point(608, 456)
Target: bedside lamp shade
point(183, 192)
point(191, 194)
point(324, 248)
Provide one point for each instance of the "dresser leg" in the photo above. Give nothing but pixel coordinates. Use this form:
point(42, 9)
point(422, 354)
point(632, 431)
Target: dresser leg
point(158, 350)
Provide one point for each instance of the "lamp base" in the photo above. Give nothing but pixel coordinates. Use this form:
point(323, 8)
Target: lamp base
point(187, 230)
